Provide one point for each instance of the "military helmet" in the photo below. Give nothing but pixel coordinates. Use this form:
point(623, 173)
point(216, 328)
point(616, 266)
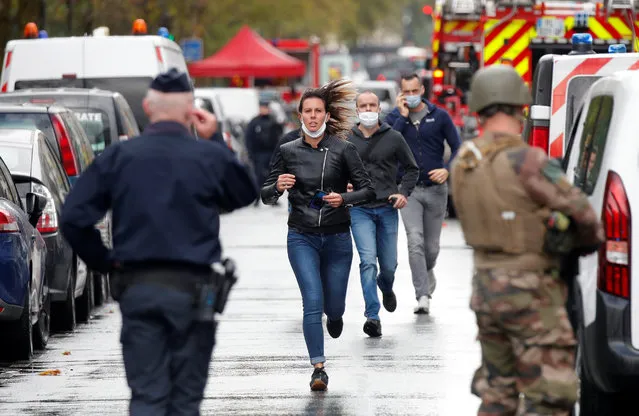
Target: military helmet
point(498, 84)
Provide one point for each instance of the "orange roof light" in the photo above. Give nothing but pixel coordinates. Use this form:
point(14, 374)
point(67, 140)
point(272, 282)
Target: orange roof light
point(30, 31)
point(139, 27)
point(438, 73)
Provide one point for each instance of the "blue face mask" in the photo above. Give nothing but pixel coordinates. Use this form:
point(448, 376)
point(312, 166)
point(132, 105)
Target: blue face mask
point(413, 100)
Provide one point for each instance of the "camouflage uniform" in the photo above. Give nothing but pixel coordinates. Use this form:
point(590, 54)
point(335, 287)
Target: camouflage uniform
point(504, 191)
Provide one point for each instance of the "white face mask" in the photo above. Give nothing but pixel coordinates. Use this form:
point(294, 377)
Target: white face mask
point(369, 119)
point(315, 134)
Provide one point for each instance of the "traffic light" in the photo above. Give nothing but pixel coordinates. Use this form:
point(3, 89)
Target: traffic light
point(427, 10)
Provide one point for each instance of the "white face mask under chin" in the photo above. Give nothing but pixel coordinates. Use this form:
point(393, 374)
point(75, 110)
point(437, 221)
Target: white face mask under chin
point(314, 134)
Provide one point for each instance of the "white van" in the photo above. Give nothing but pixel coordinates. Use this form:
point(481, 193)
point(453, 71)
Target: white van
point(125, 64)
point(602, 160)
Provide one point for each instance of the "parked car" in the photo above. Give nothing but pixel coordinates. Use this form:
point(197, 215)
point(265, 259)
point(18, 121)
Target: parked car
point(106, 118)
point(601, 159)
point(25, 307)
point(35, 168)
point(105, 115)
point(62, 130)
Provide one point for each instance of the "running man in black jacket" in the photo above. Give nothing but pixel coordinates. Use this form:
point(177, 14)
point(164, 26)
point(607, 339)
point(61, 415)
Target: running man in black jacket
point(374, 225)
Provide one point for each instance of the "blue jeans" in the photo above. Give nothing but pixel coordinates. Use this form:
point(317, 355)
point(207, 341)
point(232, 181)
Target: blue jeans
point(321, 263)
point(375, 234)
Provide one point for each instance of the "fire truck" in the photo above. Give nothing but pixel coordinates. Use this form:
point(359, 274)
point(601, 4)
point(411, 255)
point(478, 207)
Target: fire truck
point(517, 33)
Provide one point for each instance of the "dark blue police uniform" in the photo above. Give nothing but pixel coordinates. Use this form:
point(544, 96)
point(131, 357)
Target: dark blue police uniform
point(164, 189)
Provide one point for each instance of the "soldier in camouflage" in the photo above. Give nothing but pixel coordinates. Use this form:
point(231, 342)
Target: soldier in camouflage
point(505, 192)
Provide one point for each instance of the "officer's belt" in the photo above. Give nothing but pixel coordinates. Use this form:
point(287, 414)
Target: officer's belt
point(183, 277)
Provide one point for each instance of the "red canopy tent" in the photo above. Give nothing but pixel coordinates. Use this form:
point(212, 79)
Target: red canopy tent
point(248, 55)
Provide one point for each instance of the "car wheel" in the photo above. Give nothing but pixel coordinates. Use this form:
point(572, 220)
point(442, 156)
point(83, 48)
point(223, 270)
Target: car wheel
point(84, 303)
point(19, 334)
point(63, 315)
point(43, 326)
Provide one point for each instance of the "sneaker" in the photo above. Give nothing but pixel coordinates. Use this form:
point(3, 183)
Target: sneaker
point(373, 328)
point(335, 327)
point(423, 305)
point(319, 379)
point(390, 301)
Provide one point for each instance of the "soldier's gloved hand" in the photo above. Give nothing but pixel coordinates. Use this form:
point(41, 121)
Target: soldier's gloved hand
point(204, 122)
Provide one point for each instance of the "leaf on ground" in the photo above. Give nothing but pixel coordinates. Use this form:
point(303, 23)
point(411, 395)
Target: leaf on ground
point(66, 353)
point(55, 372)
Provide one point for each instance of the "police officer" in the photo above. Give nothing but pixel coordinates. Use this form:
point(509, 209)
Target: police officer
point(505, 192)
point(262, 135)
point(164, 189)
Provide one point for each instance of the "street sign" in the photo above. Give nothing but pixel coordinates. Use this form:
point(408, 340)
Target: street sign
point(193, 49)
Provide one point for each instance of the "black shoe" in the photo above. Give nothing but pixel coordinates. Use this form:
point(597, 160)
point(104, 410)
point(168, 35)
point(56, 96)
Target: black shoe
point(373, 328)
point(335, 327)
point(319, 379)
point(390, 301)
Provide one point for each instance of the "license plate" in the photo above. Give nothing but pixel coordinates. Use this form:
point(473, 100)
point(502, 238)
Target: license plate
point(550, 28)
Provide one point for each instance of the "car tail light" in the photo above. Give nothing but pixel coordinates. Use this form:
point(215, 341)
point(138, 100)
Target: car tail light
point(614, 255)
point(48, 222)
point(4, 87)
point(66, 151)
point(8, 223)
point(539, 136)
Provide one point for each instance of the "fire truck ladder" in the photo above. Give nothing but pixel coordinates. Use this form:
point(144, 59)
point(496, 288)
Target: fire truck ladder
point(631, 7)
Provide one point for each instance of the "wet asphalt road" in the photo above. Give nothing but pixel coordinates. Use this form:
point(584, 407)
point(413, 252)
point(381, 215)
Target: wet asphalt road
point(421, 366)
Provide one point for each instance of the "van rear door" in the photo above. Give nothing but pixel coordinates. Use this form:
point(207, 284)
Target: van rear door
point(39, 62)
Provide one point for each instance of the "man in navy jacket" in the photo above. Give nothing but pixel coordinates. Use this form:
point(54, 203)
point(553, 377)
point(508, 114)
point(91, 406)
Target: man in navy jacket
point(425, 127)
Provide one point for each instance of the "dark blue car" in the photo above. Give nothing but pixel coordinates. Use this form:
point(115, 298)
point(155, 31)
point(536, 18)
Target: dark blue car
point(24, 294)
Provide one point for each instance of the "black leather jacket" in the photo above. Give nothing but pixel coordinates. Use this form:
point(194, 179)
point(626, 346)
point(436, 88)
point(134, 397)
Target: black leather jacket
point(329, 167)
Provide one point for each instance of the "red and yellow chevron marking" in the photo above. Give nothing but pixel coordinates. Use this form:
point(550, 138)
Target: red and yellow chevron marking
point(460, 25)
point(614, 28)
point(436, 29)
point(508, 43)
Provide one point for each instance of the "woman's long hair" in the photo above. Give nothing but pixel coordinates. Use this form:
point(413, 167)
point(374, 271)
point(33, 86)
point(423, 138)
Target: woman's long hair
point(339, 101)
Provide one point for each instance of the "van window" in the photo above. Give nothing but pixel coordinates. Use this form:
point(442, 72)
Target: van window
point(96, 125)
point(123, 111)
point(593, 143)
point(575, 94)
point(133, 89)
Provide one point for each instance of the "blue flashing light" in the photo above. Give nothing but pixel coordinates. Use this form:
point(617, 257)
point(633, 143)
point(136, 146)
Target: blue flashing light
point(164, 32)
point(43, 34)
point(618, 48)
point(582, 39)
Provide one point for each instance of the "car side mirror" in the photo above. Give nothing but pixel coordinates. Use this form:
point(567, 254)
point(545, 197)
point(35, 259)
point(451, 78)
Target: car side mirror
point(35, 206)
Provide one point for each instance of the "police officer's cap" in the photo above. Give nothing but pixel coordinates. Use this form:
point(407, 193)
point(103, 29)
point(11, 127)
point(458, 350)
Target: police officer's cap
point(171, 81)
point(498, 84)
point(264, 102)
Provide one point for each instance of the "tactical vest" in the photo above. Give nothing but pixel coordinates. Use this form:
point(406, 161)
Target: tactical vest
point(495, 211)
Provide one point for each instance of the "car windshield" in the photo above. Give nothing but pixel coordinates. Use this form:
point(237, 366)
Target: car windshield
point(96, 125)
